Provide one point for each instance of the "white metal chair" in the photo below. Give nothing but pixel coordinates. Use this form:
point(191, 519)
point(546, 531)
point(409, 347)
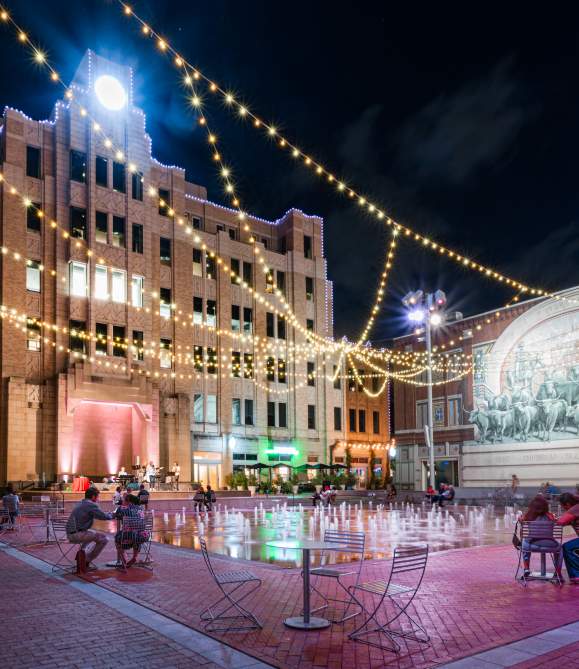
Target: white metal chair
point(545, 538)
point(408, 567)
point(32, 518)
point(7, 522)
point(132, 535)
point(230, 583)
point(353, 542)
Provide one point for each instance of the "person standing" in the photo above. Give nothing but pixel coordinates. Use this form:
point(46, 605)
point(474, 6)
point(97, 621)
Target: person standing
point(151, 475)
point(176, 475)
point(210, 498)
point(11, 504)
point(143, 496)
point(515, 483)
point(199, 499)
point(570, 505)
point(79, 524)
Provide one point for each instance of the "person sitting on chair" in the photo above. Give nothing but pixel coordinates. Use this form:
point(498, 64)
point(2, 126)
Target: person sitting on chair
point(199, 499)
point(316, 497)
point(538, 510)
point(570, 505)
point(210, 498)
point(11, 504)
point(137, 535)
point(143, 496)
point(118, 496)
point(78, 527)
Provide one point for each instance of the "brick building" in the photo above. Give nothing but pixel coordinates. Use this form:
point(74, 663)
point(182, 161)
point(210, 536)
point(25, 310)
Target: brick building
point(133, 369)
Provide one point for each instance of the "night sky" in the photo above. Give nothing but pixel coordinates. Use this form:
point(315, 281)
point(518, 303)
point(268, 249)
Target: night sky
point(461, 120)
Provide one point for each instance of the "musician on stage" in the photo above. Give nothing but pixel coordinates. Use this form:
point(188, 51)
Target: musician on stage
point(151, 475)
point(176, 475)
point(123, 472)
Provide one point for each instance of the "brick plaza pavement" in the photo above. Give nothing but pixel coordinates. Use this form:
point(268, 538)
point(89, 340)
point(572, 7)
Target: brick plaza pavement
point(468, 602)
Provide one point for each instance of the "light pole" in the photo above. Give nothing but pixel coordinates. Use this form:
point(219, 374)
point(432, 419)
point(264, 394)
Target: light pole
point(426, 308)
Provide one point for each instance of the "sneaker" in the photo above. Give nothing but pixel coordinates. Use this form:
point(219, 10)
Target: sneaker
point(526, 573)
point(91, 567)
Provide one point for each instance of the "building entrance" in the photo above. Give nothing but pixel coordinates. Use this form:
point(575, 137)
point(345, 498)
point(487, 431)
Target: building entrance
point(445, 471)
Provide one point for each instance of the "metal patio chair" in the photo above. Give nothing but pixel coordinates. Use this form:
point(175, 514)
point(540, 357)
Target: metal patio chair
point(147, 561)
point(58, 528)
point(406, 574)
point(353, 542)
point(132, 533)
point(551, 536)
point(33, 517)
point(230, 583)
point(7, 524)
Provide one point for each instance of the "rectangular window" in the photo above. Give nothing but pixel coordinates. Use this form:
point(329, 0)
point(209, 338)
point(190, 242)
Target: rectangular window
point(248, 273)
point(77, 278)
point(119, 231)
point(269, 287)
point(264, 242)
point(101, 283)
point(197, 223)
point(421, 415)
point(247, 366)
point(101, 344)
point(281, 370)
point(375, 382)
point(119, 285)
point(438, 414)
point(198, 358)
point(33, 217)
point(101, 227)
point(352, 415)
point(248, 412)
point(338, 419)
point(33, 276)
point(311, 372)
point(270, 369)
point(311, 416)
point(236, 411)
point(211, 411)
point(165, 302)
point(337, 378)
point(454, 409)
point(138, 345)
point(269, 324)
point(271, 414)
point(137, 238)
point(78, 228)
point(247, 320)
point(362, 420)
point(351, 380)
point(33, 337)
point(164, 201)
point(376, 422)
point(198, 408)
point(236, 364)
point(137, 186)
point(281, 282)
point(211, 360)
point(361, 375)
point(308, 247)
point(282, 414)
point(77, 338)
point(232, 233)
point(210, 266)
point(165, 250)
point(281, 328)
point(235, 318)
point(235, 270)
point(165, 360)
point(198, 310)
point(119, 177)
point(309, 288)
point(119, 343)
point(211, 318)
point(309, 325)
point(101, 172)
point(197, 263)
point(283, 245)
point(137, 285)
point(33, 162)
point(78, 166)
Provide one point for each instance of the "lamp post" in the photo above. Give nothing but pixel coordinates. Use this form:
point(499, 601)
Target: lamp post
point(426, 308)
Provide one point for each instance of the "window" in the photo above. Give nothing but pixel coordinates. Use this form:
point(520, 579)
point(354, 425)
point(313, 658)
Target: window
point(119, 178)
point(248, 412)
point(138, 344)
point(101, 284)
point(165, 354)
point(264, 242)
point(375, 383)
point(165, 250)
point(337, 378)
point(232, 233)
point(137, 238)
point(33, 217)
point(248, 273)
point(78, 166)
point(137, 284)
point(119, 343)
point(236, 364)
point(165, 302)
point(77, 278)
point(236, 411)
point(309, 325)
point(307, 247)
point(101, 344)
point(77, 338)
point(376, 422)
point(197, 263)
point(119, 231)
point(198, 407)
point(210, 266)
point(281, 330)
point(438, 414)
point(271, 414)
point(211, 408)
point(269, 287)
point(33, 276)
point(101, 171)
point(211, 360)
point(101, 227)
point(137, 186)
point(361, 375)
point(281, 370)
point(33, 162)
point(247, 366)
point(362, 420)
point(164, 201)
point(119, 285)
point(197, 223)
point(283, 245)
point(235, 270)
point(270, 369)
point(269, 324)
point(454, 409)
point(247, 320)
point(198, 310)
point(311, 374)
point(235, 318)
point(32, 334)
point(351, 380)
point(198, 358)
point(78, 223)
point(338, 419)
point(282, 414)
point(281, 282)
point(311, 416)
point(309, 288)
point(352, 417)
point(211, 318)
point(421, 415)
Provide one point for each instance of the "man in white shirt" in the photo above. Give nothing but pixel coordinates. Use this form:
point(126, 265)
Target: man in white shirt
point(151, 474)
point(176, 474)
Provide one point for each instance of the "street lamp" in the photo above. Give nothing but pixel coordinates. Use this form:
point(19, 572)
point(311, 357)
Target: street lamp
point(427, 308)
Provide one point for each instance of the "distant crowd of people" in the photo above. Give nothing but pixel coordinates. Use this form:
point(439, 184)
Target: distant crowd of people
point(445, 493)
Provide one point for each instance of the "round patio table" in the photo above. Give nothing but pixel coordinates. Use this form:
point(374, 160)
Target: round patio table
point(307, 621)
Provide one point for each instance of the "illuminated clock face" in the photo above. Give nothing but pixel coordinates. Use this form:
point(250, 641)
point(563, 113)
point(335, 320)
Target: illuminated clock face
point(110, 92)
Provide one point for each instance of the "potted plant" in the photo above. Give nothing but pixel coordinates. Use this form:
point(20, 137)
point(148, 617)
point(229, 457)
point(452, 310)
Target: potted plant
point(340, 481)
point(230, 481)
point(295, 481)
point(252, 484)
